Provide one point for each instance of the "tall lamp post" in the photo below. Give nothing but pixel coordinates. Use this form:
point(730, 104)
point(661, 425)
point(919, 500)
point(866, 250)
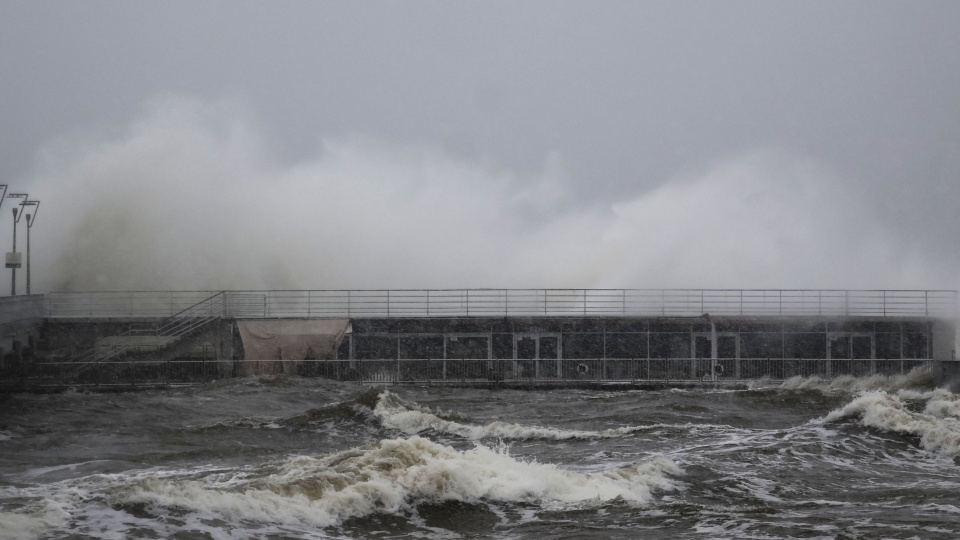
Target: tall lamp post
point(30, 220)
point(13, 257)
point(14, 262)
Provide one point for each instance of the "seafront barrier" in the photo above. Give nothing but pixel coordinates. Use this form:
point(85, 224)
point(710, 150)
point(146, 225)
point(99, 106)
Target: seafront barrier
point(476, 337)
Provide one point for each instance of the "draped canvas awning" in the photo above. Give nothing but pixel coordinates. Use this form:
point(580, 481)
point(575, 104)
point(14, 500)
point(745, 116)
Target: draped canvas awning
point(292, 339)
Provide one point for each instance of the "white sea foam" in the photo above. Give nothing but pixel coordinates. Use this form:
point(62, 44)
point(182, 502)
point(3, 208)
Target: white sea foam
point(32, 520)
point(943, 404)
point(389, 476)
point(889, 412)
point(918, 378)
point(412, 419)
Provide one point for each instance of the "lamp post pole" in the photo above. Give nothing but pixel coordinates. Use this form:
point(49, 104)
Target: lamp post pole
point(13, 269)
point(31, 219)
point(28, 254)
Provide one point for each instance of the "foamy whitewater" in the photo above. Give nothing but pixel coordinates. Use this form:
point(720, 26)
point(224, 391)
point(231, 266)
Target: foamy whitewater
point(308, 458)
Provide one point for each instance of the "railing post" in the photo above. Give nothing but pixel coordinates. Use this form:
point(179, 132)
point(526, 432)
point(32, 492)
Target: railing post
point(348, 304)
point(388, 302)
point(468, 302)
point(428, 302)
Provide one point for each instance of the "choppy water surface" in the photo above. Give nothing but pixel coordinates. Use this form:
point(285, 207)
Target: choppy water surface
point(307, 458)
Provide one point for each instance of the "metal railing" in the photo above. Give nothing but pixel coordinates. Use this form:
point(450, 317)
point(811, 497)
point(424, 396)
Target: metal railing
point(121, 305)
point(460, 372)
point(142, 336)
point(513, 302)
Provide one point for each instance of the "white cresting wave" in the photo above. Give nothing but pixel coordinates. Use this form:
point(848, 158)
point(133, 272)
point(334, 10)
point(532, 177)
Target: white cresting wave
point(389, 476)
point(917, 378)
point(412, 419)
point(937, 426)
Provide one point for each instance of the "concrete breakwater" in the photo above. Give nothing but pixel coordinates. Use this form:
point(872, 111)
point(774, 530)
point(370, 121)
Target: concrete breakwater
point(540, 338)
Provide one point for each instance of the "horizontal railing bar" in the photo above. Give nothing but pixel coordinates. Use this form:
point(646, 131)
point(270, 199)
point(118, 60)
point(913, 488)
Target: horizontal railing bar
point(519, 302)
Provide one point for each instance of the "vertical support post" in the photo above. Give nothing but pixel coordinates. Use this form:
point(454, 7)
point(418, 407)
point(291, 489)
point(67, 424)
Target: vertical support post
point(559, 363)
point(713, 350)
point(13, 269)
point(28, 254)
point(901, 339)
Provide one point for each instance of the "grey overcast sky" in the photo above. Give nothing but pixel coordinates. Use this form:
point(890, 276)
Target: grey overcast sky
point(495, 144)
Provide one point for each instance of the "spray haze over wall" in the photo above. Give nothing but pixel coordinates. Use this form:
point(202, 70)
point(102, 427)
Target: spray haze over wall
point(191, 196)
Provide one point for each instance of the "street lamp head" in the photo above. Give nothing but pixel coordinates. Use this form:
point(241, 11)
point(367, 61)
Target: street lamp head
point(14, 212)
point(28, 221)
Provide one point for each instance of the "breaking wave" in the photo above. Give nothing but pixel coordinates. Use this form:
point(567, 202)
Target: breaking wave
point(937, 427)
point(33, 520)
point(390, 476)
point(917, 378)
point(412, 419)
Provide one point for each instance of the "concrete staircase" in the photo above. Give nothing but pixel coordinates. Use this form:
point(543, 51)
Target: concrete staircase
point(152, 337)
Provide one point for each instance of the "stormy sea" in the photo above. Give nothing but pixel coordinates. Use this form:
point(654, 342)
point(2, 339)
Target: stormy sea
point(287, 457)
